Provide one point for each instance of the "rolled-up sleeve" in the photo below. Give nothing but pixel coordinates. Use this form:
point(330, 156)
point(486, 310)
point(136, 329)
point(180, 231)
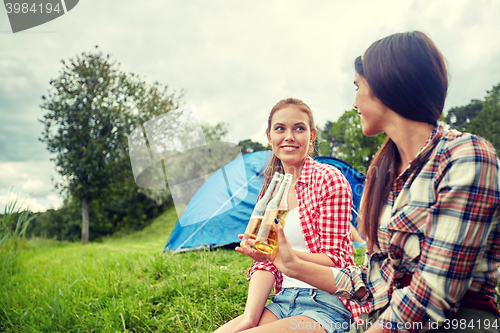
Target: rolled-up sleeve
point(267, 266)
point(348, 281)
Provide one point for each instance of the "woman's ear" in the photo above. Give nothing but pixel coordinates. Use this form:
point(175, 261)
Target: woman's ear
point(268, 137)
point(313, 135)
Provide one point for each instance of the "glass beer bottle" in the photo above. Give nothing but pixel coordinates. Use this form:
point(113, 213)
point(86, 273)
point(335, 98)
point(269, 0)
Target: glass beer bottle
point(267, 239)
point(260, 208)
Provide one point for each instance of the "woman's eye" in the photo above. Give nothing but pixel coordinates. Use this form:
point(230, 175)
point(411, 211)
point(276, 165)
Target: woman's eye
point(300, 128)
point(279, 128)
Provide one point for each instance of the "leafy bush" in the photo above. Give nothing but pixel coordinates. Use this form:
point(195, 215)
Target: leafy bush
point(13, 225)
point(122, 214)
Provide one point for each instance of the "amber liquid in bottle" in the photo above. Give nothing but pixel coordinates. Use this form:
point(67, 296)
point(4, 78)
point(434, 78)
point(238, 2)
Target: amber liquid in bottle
point(253, 227)
point(259, 210)
point(267, 239)
point(270, 245)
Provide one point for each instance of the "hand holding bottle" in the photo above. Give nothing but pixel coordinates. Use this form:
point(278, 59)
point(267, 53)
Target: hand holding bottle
point(284, 259)
point(249, 250)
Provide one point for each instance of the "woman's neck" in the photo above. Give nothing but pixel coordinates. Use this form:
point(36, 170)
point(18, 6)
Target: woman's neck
point(295, 170)
point(409, 136)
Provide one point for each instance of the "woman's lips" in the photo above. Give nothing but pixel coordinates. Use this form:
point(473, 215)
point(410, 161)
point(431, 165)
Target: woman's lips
point(289, 148)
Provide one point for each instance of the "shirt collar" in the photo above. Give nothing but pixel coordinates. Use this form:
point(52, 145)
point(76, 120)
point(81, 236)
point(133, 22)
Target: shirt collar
point(431, 142)
point(307, 171)
point(428, 146)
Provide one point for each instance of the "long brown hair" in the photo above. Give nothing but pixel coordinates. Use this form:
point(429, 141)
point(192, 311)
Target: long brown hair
point(275, 163)
point(407, 73)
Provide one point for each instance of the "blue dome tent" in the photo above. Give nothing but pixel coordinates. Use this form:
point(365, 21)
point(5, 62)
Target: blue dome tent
point(224, 223)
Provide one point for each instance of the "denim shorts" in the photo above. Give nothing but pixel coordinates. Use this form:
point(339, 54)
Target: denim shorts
point(326, 309)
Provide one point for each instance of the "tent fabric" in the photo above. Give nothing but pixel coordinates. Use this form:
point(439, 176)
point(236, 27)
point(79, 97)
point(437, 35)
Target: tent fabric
point(224, 224)
point(355, 178)
point(220, 229)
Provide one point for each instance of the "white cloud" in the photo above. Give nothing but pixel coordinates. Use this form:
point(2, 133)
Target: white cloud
point(23, 202)
point(235, 58)
point(31, 182)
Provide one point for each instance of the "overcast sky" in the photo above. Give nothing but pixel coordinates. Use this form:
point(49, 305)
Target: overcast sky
point(234, 58)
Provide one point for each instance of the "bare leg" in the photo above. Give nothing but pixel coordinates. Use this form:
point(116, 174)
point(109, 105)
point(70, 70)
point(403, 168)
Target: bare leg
point(270, 323)
point(266, 318)
point(301, 324)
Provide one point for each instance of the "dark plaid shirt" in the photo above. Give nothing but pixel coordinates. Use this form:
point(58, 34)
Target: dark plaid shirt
point(441, 224)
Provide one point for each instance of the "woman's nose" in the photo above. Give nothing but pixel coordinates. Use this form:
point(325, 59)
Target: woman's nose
point(289, 136)
point(354, 105)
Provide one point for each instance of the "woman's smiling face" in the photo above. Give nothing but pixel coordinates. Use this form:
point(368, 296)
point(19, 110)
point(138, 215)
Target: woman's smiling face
point(290, 136)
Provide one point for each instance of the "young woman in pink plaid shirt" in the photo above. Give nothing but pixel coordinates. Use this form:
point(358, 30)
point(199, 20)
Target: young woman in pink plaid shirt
point(431, 206)
point(318, 226)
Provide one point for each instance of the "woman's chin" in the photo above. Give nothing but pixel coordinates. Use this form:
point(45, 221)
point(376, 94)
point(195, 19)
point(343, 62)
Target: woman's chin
point(292, 160)
point(367, 132)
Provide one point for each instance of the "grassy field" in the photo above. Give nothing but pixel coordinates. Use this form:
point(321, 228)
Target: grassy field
point(123, 284)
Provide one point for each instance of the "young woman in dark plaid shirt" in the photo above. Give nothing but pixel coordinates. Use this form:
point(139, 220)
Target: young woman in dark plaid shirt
point(430, 211)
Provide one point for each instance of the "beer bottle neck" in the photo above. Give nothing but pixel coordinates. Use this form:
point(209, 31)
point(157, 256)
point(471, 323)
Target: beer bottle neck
point(260, 206)
point(275, 202)
point(283, 205)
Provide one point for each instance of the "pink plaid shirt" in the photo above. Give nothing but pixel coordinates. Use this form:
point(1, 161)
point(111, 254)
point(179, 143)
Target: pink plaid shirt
point(325, 200)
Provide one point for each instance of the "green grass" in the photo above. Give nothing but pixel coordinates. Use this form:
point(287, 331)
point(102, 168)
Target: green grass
point(123, 285)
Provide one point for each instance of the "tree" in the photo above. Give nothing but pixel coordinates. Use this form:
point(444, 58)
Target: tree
point(332, 136)
point(90, 109)
point(460, 117)
point(344, 139)
point(487, 122)
point(214, 133)
point(249, 146)
point(188, 165)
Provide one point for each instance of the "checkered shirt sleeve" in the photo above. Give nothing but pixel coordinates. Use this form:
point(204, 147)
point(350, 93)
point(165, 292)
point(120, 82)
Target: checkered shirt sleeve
point(326, 209)
point(267, 266)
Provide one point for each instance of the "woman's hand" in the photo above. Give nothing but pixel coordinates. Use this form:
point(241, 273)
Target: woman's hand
point(284, 259)
point(253, 253)
point(245, 324)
